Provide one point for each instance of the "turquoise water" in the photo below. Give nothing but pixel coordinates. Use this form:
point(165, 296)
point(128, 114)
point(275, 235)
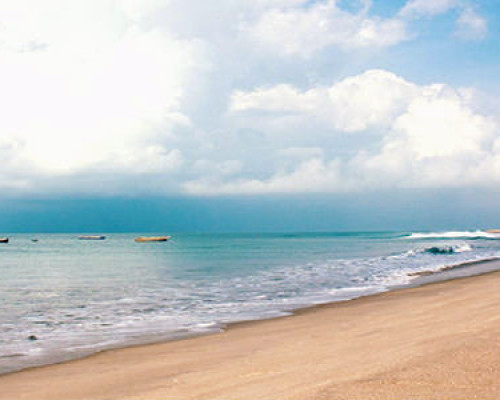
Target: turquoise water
point(63, 298)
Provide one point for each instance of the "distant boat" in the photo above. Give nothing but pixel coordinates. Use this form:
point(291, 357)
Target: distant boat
point(493, 231)
point(4, 240)
point(152, 238)
point(91, 237)
point(34, 240)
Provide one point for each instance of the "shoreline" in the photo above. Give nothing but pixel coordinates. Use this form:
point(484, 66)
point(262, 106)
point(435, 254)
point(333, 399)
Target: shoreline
point(305, 324)
point(421, 278)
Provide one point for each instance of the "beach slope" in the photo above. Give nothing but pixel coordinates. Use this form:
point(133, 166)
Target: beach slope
point(439, 341)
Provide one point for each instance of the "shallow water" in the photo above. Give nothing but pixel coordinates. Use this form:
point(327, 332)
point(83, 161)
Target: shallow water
point(62, 298)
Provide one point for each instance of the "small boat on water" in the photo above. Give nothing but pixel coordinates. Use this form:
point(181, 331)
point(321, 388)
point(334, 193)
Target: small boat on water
point(4, 240)
point(493, 231)
point(91, 237)
point(152, 239)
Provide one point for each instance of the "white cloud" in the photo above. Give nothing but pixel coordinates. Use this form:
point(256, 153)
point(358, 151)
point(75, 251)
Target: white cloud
point(417, 8)
point(158, 96)
point(437, 123)
point(471, 25)
point(304, 31)
point(105, 94)
point(428, 136)
point(438, 141)
point(357, 103)
point(313, 175)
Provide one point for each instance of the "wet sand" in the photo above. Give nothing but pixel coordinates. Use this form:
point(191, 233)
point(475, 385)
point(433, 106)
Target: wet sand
point(438, 341)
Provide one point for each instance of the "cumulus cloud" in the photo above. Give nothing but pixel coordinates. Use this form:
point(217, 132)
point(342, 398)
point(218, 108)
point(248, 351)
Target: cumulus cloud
point(438, 141)
point(305, 30)
point(106, 96)
point(357, 103)
point(438, 123)
point(428, 136)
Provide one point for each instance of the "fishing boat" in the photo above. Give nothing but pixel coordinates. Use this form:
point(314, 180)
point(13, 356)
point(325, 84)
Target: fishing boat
point(91, 237)
point(4, 240)
point(152, 239)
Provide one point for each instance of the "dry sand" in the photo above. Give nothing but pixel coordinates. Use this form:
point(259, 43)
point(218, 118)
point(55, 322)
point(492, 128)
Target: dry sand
point(439, 341)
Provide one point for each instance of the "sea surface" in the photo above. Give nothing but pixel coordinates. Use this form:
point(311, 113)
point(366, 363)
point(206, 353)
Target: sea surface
point(63, 298)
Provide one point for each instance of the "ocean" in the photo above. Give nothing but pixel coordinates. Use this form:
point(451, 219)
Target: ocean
point(62, 298)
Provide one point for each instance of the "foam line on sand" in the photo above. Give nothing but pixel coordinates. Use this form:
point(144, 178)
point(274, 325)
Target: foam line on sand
point(437, 341)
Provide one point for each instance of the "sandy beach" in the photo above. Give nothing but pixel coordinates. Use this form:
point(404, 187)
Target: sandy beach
point(438, 341)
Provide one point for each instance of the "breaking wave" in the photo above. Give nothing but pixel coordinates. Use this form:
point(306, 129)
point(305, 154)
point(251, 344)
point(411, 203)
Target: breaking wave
point(454, 235)
point(440, 250)
point(459, 248)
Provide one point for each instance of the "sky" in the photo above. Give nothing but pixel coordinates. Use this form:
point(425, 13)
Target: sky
point(110, 107)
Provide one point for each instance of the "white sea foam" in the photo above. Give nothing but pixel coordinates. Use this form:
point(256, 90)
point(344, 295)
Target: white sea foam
point(454, 235)
point(441, 249)
point(462, 248)
point(136, 298)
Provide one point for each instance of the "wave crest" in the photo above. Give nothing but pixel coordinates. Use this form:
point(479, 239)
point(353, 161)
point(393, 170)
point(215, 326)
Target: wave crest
point(459, 248)
point(454, 235)
point(447, 249)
